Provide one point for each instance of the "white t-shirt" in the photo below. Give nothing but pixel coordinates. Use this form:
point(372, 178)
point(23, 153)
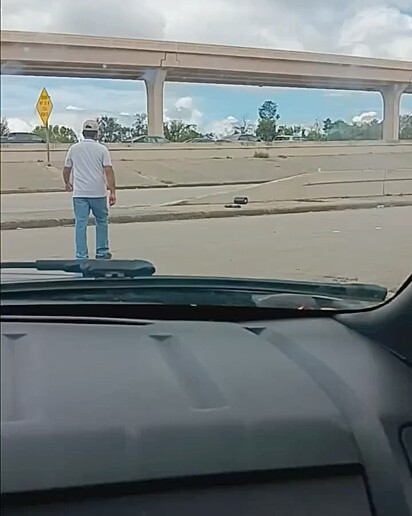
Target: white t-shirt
point(87, 159)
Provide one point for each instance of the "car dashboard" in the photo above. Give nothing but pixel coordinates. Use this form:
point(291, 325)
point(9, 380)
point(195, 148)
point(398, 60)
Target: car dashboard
point(307, 416)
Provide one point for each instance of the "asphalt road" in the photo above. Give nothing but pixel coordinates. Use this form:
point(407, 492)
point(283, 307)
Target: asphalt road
point(58, 201)
point(372, 245)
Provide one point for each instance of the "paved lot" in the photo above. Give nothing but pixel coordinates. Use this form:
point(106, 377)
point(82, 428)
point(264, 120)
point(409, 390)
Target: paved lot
point(372, 245)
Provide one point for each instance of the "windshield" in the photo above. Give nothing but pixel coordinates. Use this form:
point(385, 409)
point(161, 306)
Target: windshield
point(264, 140)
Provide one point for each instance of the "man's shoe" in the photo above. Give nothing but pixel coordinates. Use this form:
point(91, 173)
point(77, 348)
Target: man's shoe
point(107, 256)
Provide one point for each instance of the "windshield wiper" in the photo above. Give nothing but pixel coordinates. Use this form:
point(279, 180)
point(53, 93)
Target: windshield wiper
point(89, 268)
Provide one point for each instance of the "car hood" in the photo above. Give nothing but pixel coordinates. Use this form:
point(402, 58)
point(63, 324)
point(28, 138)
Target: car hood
point(264, 287)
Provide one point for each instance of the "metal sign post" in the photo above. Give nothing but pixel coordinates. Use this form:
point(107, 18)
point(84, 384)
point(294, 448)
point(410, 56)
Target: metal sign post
point(44, 107)
point(47, 143)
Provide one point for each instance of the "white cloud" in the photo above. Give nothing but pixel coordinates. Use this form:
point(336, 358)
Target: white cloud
point(338, 93)
point(100, 17)
point(231, 124)
point(367, 27)
point(74, 108)
point(365, 118)
point(184, 103)
point(378, 31)
point(223, 127)
point(20, 126)
point(184, 109)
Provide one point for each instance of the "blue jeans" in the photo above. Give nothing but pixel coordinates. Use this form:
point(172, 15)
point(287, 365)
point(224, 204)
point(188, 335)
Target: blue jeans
point(82, 207)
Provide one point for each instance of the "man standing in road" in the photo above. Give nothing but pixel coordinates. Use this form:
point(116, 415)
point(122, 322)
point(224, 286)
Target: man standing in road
point(88, 173)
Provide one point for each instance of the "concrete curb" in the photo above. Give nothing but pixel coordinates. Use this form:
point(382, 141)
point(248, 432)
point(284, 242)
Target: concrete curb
point(145, 187)
point(209, 214)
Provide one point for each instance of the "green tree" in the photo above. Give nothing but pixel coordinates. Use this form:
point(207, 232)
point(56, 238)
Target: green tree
point(291, 130)
point(139, 126)
point(405, 126)
point(298, 130)
point(268, 118)
point(244, 127)
point(327, 125)
point(179, 131)
point(4, 126)
point(57, 133)
point(314, 136)
point(269, 111)
point(266, 130)
point(110, 130)
point(368, 131)
point(339, 130)
point(284, 130)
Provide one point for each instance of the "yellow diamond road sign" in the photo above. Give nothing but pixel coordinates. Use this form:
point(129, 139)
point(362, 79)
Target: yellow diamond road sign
point(44, 106)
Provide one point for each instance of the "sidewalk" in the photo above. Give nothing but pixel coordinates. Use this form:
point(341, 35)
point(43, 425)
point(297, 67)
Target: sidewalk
point(45, 219)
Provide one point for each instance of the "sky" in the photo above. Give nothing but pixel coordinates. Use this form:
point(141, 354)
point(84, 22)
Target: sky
point(371, 28)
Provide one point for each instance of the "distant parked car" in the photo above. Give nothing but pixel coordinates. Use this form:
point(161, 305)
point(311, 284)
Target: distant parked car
point(240, 138)
point(200, 139)
point(150, 139)
point(24, 138)
point(288, 138)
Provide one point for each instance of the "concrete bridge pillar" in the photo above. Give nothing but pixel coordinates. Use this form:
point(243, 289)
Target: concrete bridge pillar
point(154, 81)
point(391, 110)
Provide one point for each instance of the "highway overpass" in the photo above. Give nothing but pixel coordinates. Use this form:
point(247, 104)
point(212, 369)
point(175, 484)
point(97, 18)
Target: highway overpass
point(154, 62)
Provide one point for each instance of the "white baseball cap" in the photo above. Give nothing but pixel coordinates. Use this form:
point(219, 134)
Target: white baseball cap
point(90, 125)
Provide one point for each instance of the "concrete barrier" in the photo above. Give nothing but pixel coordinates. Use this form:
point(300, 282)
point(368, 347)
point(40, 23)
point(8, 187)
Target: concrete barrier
point(23, 167)
point(140, 151)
